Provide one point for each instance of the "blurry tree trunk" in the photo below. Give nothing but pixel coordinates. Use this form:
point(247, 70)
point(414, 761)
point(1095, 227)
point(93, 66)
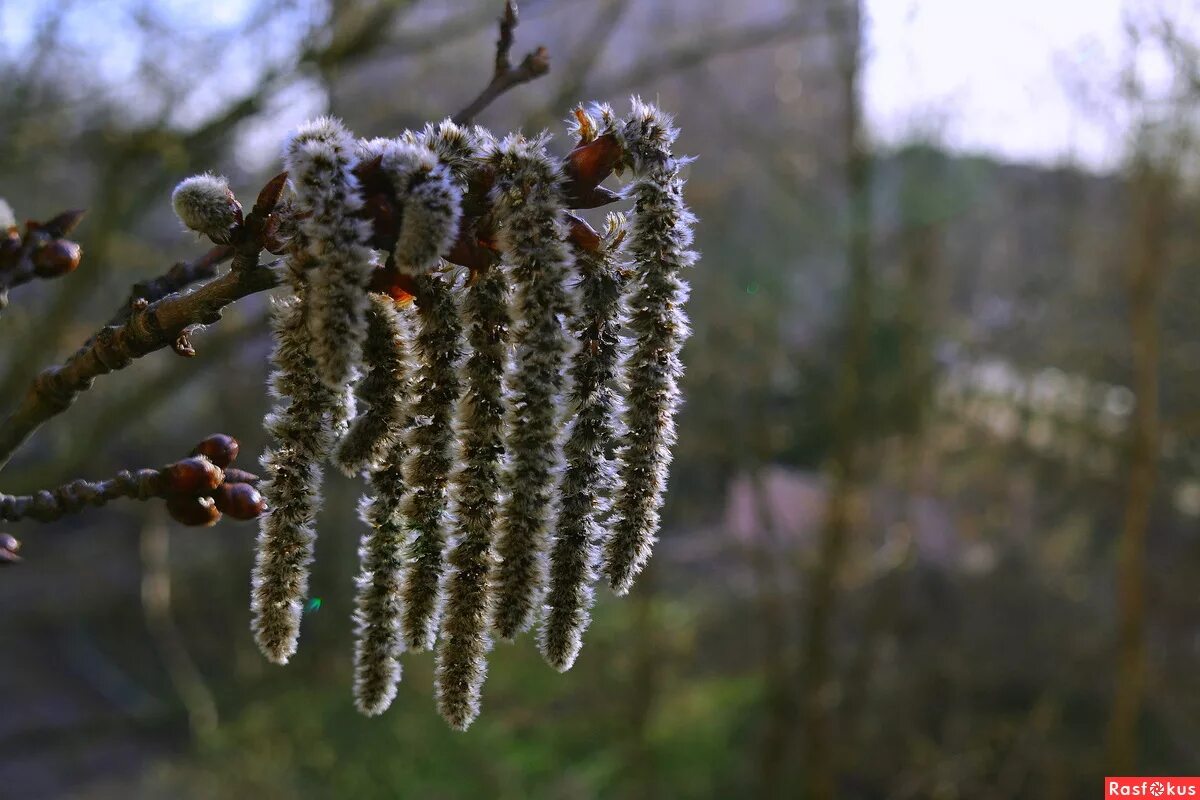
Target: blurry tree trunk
point(817, 674)
point(778, 657)
point(1151, 202)
point(169, 641)
point(920, 252)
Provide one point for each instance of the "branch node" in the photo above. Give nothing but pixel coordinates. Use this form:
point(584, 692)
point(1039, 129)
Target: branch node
point(183, 343)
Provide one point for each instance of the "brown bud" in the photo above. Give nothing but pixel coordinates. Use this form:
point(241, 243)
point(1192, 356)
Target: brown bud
point(590, 163)
point(268, 198)
point(57, 257)
point(193, 476)
point(391, 281)
point(473, 250)
point(10, 242)
point(219, 448)
point(594, 197)
point(64, 223)
point(240, 500)
point(385, 221)
point(234, 475)
point(8, 549)
point(193, 510)
point(582, 235)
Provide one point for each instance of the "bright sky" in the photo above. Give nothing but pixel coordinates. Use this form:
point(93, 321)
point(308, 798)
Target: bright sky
point(997, 76)
point(982, 75)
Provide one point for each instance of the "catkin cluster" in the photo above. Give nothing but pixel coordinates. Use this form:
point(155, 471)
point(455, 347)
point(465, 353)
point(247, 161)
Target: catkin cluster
point(503, 376)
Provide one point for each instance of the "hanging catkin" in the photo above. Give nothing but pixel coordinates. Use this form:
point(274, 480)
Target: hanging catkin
point(320, 160)
point(461, 664)
point(659, 247)
point(381, 406)
point(528, 205)
point(378, 643)
point(300, 427)
point(588, 477)
point(516, 446)
point(430, 453)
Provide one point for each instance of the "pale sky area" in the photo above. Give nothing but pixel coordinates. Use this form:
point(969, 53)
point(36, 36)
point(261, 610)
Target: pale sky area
point(998, 76)
point(979, 75)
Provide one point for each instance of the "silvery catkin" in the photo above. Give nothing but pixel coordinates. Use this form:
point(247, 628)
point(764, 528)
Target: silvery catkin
point(381, 404)
point(320, 159)
point(528, 206)
point(659, 248)
point(377, 638)
point(462, 650)
point(429, 197)
point(589, 475)
point(300, 428)
point(430, 441)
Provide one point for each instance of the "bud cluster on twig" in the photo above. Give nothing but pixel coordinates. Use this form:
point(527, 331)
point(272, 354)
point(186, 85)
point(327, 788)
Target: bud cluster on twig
point(42, 251)
point(514, 442)
point(198, 489)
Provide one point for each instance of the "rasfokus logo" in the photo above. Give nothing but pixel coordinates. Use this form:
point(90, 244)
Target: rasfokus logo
point(1151, 787)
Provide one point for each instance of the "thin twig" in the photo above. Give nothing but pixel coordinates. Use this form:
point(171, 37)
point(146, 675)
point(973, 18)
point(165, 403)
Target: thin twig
point(73, 497)
point(505, 77)
point(149, 328)
point(180, 276)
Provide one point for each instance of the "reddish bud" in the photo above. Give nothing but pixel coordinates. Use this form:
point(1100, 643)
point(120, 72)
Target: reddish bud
point(268, 198)
point(10, 240)
point(56, 258)
point(234, 475)
point(240, 500)
point(385, 222)
point(64, 223)
point(595, 197)
point(193, 510)
point(8, 549)
point(394, 283)
point(582, 235)
point(474, 251)
point(219, 448)
point(590, 163)
point(193, 476)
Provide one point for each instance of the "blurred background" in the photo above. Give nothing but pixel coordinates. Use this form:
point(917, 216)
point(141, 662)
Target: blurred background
point(933, 529)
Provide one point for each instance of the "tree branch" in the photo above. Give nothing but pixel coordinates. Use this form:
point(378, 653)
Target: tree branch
point(73, 497)
point(180, 276)
point(203, 481)
point(505, 77)
point(150, 327)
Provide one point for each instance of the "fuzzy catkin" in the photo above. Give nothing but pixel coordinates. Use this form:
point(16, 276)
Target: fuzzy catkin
point(429, 196)
point(381, 392)
point(430, 444)
point(455, 146)
point(377, 641)
point(589, 475)
point(300, 427)
point(528, 206)
point(464, 643)
point(659, 247)
point(431, 214)
point(321, 158)
point(205, 204)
